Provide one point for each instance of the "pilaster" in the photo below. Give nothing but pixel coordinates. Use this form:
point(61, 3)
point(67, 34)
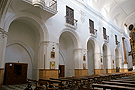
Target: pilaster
point(3, 41)
point(80, 64)
point(48, 65)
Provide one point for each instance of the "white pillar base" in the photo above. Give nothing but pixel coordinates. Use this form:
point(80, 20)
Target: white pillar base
point(125, 66)
point(133, 69)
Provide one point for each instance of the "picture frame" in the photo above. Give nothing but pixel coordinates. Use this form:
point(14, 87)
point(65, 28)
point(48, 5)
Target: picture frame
point(52, 64)
point(52, 54)
point(84, 58)
point(84, 65)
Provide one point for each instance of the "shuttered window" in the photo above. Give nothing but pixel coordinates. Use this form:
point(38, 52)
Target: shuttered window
point(69, 15)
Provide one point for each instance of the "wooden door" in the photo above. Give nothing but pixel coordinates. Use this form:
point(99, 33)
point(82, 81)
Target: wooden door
point(61, 70)
point(15, 73)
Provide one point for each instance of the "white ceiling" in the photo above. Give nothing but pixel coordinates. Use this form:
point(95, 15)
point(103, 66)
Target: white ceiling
point(119, 11)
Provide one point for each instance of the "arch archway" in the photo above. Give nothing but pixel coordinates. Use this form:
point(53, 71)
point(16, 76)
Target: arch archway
point(107, 62)
point(90, 57)
point(68, 44)
point(93, 56)
point(27, 30)
point(36, 21)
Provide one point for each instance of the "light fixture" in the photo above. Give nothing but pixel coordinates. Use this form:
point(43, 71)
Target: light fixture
point(53, 48)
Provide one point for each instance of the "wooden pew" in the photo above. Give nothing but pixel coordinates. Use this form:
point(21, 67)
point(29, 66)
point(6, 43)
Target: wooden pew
point(31, 83)
point(119, 84)
point(106, 86)
point(123, 81)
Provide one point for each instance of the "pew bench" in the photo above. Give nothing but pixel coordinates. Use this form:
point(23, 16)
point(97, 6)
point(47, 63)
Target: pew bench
point(119, 84)
point(123, 81)
point(106, 86)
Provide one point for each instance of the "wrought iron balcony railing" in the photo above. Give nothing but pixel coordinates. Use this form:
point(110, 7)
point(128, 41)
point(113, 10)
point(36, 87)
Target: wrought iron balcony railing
point(117, 43)
point(71, 23)
point(42, 3)
point(93, 32)
point(106, 38)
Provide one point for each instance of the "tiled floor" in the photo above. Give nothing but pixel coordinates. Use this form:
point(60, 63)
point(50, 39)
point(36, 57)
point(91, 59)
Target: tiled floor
point(14, 87)
point(22, 87)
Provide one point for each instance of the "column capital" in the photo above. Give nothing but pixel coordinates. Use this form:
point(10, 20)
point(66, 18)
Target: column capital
point(4, 33)
point(44, 43)
point(77, 49)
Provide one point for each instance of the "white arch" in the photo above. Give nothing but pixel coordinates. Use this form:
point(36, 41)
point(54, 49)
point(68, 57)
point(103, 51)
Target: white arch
point(26, 47)
point(74, 36)
point(44, 35)
point(96, 48)
point(119, 51)
point(108, 48)
point(119, 56)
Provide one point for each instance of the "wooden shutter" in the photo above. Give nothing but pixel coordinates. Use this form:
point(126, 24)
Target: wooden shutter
point(69, 15)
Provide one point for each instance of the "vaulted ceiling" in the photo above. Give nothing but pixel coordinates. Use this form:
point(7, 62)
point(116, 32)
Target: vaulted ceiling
point(119, 11)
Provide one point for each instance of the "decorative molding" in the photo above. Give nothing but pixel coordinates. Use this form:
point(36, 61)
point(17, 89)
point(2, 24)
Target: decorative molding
point(44, 43)
point(100, 25)
point(82, 16)
point(4, 33)
point(77, 49)
point(74, 27)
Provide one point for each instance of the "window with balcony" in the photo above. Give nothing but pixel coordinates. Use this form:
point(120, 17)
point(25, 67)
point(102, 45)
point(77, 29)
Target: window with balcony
point(117, 42)
point(104, 34)
point(69, 15)
point(93, 32)
point(91, 24)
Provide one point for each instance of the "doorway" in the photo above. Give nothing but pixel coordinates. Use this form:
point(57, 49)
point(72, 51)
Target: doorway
point(61, 70)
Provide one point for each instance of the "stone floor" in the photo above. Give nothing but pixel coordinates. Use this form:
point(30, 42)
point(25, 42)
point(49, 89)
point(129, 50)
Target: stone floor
point(14, 87)
point(22, 87)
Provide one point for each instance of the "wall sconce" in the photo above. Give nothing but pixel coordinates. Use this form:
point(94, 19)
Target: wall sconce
point(53, 48)
point(52, 52)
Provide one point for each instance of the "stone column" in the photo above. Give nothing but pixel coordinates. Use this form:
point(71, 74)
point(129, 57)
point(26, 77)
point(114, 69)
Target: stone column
point(125, 58)
point(79, 64)
point(3, 41)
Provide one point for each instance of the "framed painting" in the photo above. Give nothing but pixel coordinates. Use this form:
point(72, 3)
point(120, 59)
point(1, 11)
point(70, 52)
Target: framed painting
point(52, 54)
point(52, 65)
